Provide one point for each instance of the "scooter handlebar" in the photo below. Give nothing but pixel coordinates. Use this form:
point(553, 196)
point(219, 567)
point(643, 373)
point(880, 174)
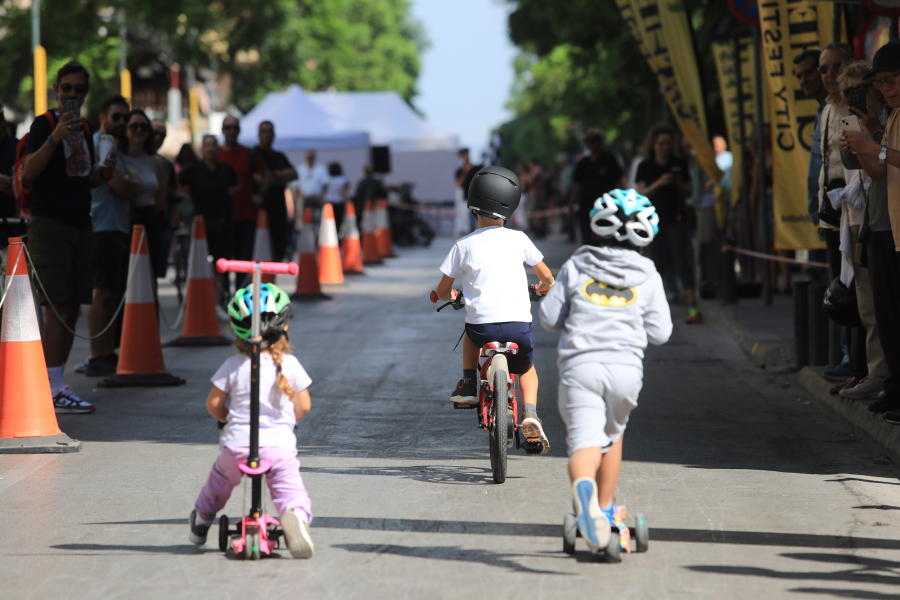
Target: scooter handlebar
point(247, 266)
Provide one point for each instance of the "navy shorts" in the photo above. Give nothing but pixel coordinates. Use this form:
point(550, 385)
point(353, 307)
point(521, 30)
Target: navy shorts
point(517, 332)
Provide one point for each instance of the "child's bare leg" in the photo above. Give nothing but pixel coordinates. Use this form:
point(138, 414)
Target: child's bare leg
point(607, 475)
point(528, 383)
point(585, 463)
point(471, 353)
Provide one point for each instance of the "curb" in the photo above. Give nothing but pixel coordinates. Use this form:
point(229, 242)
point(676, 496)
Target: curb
point(769, 353)
point(875, 432)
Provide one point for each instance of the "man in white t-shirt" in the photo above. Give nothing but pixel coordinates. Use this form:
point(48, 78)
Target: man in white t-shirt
point(313, 180)
point(495, 289)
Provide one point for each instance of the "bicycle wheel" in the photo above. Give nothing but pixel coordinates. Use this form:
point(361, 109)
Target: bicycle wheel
point(500, 413)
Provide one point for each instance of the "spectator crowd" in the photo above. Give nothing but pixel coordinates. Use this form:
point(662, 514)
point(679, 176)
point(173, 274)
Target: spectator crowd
point(84, 191)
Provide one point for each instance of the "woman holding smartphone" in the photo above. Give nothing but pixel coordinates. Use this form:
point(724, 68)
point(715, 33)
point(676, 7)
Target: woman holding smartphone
point(140, 155)
point(663, 177)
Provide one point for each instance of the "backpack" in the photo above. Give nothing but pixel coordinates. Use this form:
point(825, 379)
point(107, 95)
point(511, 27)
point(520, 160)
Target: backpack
point(21, 186)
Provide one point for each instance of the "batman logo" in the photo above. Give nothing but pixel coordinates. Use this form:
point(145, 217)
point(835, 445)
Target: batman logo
point(607, 295)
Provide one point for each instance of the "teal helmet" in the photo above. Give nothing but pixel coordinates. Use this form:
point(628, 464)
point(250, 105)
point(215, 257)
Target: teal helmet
point(274, 309)
point(625, 215)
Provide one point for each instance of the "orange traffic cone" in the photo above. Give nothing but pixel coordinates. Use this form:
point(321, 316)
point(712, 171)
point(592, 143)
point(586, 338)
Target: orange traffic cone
point(27, 419)
point(353, 262)
point(140, 354)
point(329, 252)
point(201, 325)
point(383, 230)
point(262, 244)
point(308, 287)
point(371, 255)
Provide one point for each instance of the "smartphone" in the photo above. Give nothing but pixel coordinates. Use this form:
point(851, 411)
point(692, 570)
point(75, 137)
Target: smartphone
point(107, 143)
point(858, 101)
point(73, 105)
point(851, 123)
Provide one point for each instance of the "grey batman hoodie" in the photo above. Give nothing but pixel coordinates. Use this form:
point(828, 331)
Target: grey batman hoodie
point(609, 303)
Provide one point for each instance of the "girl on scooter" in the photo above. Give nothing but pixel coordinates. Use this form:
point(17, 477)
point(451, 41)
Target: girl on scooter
point(284, 400)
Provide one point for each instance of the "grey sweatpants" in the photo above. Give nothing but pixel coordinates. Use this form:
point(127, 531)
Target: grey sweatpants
point(595, 400)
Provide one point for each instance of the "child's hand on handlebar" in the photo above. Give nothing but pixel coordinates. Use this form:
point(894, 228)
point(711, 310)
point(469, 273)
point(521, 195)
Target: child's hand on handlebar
point(542, 288)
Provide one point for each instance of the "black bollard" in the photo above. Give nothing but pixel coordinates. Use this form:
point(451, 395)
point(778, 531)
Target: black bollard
point(801, 322)
point(818, 326)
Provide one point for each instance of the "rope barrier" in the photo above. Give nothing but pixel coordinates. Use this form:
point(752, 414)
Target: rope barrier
point(449, 212)
point(9, 283)
point(61, 320)
point(783, 259)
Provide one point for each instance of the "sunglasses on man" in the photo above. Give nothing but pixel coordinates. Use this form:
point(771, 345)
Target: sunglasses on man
point(116, 117)
point(159, 134)
point(835, 68)
point(230, 127)
point(79, 88)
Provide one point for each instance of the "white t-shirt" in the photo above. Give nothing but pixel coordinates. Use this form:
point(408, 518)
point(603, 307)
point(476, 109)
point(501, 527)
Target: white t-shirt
point(489, 261)
point(276, 411)
point(312, 179)
point(335, 193)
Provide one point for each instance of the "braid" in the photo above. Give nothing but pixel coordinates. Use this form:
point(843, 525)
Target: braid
point(277, 351)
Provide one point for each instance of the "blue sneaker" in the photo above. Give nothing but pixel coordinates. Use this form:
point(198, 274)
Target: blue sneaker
point(592, 522)
point(841, 372)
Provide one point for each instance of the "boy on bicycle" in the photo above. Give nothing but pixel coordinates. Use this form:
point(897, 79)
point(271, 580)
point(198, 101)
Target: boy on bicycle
point(609, 303)
point(495, 287)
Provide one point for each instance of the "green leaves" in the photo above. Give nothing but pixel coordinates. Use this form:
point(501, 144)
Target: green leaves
point(263, 45)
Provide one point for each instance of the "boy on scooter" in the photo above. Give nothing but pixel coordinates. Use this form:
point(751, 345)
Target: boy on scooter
point(609, 303)
point(495, 287)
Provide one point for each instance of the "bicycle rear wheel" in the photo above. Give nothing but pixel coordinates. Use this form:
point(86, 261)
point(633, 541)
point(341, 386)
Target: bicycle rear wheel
point(498, 430)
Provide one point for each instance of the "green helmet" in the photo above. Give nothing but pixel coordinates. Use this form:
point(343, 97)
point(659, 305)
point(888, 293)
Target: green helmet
point(274, 308)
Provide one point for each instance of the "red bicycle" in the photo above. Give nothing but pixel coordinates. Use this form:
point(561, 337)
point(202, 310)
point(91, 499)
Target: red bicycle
point(498, 409)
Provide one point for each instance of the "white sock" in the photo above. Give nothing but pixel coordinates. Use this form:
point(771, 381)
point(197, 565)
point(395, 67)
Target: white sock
point(198, 520)
point(56, 379)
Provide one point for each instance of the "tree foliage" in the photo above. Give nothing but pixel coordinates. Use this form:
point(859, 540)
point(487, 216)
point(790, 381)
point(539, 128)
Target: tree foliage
point(580, 67)
point(261, 45)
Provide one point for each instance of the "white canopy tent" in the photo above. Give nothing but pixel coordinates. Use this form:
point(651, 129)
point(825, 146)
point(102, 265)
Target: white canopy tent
point(419, 154)
point(301, 125)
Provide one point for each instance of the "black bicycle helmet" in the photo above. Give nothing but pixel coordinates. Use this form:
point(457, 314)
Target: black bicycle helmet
point(495, 192)
point(841, 304)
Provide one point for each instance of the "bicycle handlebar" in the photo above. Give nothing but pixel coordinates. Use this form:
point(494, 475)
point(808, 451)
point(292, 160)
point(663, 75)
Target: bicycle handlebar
point(458, 303)
point(247, 266)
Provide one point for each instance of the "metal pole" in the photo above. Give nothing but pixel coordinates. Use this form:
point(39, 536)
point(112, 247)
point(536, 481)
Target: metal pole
point(761, 162)
point(836, 23)
point(742, 137)
point(35, 23)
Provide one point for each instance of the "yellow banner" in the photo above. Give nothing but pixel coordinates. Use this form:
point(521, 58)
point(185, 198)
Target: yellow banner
point(788, 28)
point(662, 32)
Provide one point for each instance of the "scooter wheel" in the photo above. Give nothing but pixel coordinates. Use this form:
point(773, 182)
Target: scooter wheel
point(612, 552)
point(254, 547)
point(248, 546)
point(641, 533)
point(224, 538)
point(570, 532)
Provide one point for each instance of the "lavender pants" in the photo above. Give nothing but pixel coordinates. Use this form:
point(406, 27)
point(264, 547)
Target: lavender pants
point(284, 481)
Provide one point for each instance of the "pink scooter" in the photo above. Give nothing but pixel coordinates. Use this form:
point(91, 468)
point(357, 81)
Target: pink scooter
point(256, 533)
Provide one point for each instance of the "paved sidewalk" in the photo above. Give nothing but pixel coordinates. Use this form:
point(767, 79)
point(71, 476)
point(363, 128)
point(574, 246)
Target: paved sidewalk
point(765, 334)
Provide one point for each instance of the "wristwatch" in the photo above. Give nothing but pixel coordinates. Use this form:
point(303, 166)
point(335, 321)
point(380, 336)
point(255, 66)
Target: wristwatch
point(882, 156)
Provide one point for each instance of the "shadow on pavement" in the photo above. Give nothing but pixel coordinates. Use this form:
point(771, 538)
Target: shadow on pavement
point(453, 553)
point(861, 570)
point(465, 475)
point(657, 534)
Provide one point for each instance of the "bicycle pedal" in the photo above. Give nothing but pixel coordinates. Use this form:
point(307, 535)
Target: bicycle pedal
point(463, 406)
point(533, 446)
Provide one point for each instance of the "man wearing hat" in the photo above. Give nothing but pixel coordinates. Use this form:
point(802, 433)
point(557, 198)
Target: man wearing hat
point(7, 159)
point(878, 151)
point(595, 174)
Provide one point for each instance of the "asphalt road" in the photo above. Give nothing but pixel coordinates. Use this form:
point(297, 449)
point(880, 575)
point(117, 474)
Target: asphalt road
point(749, 492)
